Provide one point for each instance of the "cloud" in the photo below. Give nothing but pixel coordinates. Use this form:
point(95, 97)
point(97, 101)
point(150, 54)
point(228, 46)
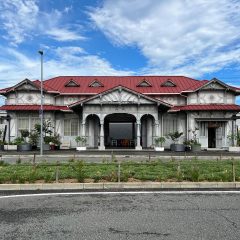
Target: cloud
point(176, 36)
point(61, 34)
point(70, 60)
point(22, 19)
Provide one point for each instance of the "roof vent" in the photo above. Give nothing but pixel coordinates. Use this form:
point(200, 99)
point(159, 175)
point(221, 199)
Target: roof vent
point(144, 83)
point(168, 83)
point(72, 83)
point(96, 83)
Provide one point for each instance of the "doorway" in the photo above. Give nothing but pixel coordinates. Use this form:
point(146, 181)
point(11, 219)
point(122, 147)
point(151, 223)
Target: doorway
point(212, 137)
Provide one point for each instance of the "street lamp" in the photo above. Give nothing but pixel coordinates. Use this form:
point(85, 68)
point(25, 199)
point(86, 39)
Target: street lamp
point(41, 108)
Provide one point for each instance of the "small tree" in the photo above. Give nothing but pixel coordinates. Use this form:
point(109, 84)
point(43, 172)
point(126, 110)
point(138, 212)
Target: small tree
point(24, 134)
point(80, 140)
point(194, 140)
point(160, 140)
point(175, 136)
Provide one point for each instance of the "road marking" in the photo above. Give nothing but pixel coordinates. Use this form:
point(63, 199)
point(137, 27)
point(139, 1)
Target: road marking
point(122, 193)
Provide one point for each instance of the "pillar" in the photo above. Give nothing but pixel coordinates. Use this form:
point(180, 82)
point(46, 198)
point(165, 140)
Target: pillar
point(149, 132)
point(156, 131)
point(138, 147)
point(102, 146)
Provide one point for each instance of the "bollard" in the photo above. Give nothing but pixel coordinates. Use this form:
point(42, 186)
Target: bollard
point(119, 172)
point(149, 157)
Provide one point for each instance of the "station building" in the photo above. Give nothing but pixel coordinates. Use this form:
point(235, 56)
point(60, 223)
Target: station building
point(125, 111)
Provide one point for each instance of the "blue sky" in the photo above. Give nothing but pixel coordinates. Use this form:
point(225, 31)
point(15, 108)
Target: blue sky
point(199, 38)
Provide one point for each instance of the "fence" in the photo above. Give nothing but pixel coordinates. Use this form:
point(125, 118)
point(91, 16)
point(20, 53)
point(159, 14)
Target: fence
point(79, 171)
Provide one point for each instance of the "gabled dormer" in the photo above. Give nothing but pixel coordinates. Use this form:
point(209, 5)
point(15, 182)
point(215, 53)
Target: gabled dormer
point(144, 83)
point(96, 83)
point(71, 83)
point(168, 83)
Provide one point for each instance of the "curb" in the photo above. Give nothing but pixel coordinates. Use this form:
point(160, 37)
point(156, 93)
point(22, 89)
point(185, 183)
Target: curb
point(110, 186)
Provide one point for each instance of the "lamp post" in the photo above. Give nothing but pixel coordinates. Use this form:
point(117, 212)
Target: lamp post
point(41, 108)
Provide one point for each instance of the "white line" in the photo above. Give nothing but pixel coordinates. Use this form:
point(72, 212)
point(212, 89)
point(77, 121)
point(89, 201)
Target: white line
point(121, 193)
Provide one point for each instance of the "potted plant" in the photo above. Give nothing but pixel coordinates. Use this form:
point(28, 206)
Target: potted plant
point(47, 132)
point(234, 139)
point(159, 142)
point(175, 146)
point(33, 139)
point(81, 143)
point(23, 145)
point(12, 146)
point(194, 143)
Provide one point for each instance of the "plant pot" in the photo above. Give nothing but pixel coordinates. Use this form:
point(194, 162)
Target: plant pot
point(159, 149)
point(24, 147)
point(177, 147)
point(52, 147)
point(81, 148)
point(196, 148)
point(234, 149)
point(34, 147)
point(46, 147)
point(10, 147)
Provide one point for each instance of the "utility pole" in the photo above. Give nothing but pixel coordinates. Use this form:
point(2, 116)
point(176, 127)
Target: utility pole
point(41, 108)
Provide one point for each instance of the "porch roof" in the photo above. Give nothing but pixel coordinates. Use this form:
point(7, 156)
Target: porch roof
point(208, 107)
point(34, 108)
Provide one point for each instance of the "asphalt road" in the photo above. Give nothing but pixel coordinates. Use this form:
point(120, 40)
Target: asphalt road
point(121, 216)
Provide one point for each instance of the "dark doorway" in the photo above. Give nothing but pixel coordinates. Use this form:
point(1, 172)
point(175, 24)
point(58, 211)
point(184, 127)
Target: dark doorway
point(212, 137)
point(120, 130)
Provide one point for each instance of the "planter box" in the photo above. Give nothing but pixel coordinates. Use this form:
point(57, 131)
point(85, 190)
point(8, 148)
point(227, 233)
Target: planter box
point(195, 148)
point(177, 147)
point(81, 148)
point(234, 149)
point(10, 147)
point(24, 147)
point(159, 149)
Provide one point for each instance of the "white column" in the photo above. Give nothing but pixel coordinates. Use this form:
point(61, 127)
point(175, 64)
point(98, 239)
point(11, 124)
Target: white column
point(149, 132)
point(156, 131)
point(101, 147)
point(138, 147)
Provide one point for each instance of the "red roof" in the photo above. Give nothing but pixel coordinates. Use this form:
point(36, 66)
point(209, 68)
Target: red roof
point(209, 107)
point(83, 84)
point(131, 82)
point(33, 108)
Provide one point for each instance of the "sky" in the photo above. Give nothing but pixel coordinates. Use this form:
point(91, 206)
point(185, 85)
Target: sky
point(199, 39)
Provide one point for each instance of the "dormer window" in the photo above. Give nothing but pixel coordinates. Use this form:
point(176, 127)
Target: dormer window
point(144, 83)
point(96, 83)
point(168, 83)
point(72, 83)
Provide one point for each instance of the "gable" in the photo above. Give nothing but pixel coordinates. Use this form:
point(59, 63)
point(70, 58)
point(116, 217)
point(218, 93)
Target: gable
point(144, 83)
point(72, 83)
point(213, 86)
point(118, 96)
point(95, 83)
point(168, 83)
point(25, 85)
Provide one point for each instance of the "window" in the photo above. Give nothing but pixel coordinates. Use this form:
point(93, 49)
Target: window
point(34, 121)
point(203, 129)
point(144, 83)
point(96, 84)
point(72, 83)
point(168, 83)
point(170, 125)
point(70, 127)
point(23, 123)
